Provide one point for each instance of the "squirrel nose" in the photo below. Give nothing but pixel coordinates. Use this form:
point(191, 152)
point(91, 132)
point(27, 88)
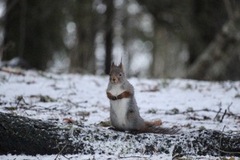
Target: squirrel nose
point(114, 79)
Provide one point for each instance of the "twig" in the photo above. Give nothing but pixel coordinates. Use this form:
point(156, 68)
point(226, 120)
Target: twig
point(228, 108)
point(61, 151)
point(66, 157)
point(228, 113)
point(175, 157)
point(21, 99)
point(217, 115)
point(220, 143)
point(133, 156)
point(223, 116)
point(12, 71)
point(227, 151)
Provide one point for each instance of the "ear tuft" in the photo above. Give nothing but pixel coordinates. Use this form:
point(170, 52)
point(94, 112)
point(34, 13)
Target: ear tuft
point(120, 65)
point(112, 65)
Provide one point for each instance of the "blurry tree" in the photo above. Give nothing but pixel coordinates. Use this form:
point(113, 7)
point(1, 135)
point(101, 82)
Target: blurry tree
point(33, 30)
point(109, 33)
point(82, 58)
point(134, 35)
point(193, 39)
point(221, 58)
point(196, 24)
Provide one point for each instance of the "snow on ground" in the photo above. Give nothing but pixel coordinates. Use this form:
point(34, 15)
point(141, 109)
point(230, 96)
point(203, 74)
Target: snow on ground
point(186, 103)
point(102, 157)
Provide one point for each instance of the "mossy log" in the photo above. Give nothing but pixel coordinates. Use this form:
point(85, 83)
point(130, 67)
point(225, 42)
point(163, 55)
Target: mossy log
point(22, 135)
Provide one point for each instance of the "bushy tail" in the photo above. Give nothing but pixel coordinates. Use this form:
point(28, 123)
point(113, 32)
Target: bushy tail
point(161, 130)
point(155, 127)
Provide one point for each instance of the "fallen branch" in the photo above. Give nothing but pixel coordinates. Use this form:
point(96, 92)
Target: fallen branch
point(15, 71)
point(225, 113)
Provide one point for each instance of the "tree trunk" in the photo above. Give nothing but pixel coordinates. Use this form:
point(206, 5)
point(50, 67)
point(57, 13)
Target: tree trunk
point(21, 135)
point(82, 58)
point(216, 61)
point(33, 31)
point(13, 36)
point(109, 34)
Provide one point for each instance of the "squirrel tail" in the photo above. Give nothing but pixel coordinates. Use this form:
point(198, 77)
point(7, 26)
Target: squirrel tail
point(161, 130)
point(153, 123)
point(155, 127)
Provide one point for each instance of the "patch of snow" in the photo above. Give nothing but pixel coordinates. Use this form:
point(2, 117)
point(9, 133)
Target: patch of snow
point(188, 104)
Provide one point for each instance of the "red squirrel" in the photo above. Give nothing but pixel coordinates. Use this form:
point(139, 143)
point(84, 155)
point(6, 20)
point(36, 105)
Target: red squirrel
point(124, 112)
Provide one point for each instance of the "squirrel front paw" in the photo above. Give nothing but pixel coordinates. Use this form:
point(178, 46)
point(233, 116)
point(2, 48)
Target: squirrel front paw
point(111, 97)
point(114, 98)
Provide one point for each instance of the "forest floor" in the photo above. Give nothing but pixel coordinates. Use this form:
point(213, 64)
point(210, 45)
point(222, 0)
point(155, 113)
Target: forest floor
point(188, 104)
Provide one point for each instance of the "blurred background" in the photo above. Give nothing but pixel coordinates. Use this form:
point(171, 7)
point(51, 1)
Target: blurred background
point(155, 38)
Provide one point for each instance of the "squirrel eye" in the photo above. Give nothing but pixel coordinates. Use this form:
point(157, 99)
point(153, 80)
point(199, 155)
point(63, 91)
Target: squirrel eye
point(120, 74)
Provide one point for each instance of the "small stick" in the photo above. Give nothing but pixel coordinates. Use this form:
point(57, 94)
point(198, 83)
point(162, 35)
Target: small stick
point(12, 71)
point(223, 116)
point(60, 152)
point(216, 117)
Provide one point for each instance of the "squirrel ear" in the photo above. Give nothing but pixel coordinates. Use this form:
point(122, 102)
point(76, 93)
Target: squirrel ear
point(112, 64)
point(121, 65)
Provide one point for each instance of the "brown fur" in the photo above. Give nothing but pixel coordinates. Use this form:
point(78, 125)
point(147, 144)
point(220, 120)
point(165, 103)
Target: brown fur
point(155, 127)
point(125, 94)
point(111, 97)
point(154, 123)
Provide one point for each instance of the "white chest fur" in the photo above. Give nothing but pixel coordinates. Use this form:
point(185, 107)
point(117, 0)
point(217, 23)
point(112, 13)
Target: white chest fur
point(116, 90)
point(119, 106)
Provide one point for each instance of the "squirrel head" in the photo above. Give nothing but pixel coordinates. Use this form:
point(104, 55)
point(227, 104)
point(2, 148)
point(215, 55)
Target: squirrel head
point(117, 74)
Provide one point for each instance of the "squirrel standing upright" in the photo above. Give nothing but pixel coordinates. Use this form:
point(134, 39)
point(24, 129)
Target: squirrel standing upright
point(124, 112)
